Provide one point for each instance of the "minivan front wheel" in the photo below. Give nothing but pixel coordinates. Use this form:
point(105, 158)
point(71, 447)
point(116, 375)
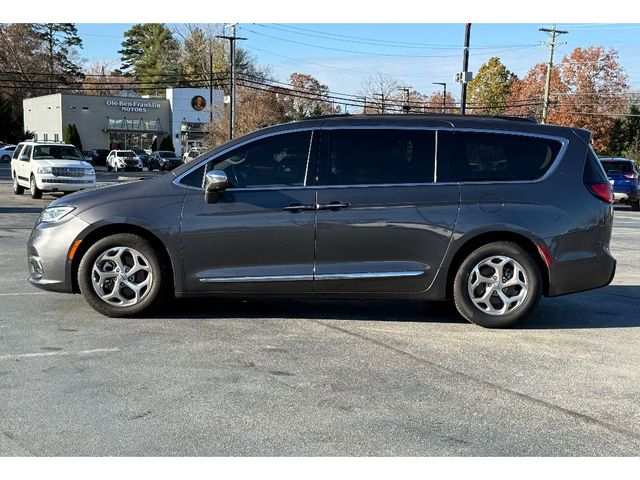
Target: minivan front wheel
point(497, 286)
point(122, 276)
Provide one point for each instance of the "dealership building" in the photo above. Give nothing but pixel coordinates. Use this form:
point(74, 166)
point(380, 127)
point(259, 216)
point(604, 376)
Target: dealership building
point(125, 122)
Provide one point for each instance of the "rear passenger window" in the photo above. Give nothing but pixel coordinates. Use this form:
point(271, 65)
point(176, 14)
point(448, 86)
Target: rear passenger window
point(475, 156)
point(370, 157)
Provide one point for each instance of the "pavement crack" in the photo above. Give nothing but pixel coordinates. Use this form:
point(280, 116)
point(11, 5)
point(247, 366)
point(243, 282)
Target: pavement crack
point(486, 383)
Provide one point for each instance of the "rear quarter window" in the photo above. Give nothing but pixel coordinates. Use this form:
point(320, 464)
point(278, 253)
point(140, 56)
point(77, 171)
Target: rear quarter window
point(16, 152)
point(479, 156)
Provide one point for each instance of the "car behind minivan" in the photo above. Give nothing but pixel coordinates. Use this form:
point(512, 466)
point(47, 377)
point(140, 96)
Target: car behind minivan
point(491, 213)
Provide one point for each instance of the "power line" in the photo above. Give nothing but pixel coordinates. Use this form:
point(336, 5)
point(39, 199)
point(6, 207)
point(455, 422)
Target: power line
point(360, 52)
point(380, 43)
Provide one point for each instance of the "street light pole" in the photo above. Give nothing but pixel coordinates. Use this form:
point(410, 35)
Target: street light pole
point(465, 66)
point(444, 95)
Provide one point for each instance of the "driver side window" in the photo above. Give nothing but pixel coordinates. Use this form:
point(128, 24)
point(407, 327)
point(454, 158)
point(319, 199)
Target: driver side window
point(276, 161)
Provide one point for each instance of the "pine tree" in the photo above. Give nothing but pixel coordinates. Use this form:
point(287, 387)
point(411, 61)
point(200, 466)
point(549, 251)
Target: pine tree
point(60, 41)
point(151, 53)
point(167, 144)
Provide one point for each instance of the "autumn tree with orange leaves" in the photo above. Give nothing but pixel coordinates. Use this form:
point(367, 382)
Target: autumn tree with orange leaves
point(586, 86)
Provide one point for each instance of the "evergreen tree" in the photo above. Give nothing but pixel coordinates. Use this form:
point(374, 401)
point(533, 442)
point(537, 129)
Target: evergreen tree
point(150, 52)
point(60, 41)
point(71, 135)
point(167, 144)
point(11, 125)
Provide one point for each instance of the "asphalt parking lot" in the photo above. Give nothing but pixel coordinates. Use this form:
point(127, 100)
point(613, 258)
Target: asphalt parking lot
point(210, 377)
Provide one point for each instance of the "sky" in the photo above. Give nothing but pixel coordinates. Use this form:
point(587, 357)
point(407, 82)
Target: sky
point(342, 56)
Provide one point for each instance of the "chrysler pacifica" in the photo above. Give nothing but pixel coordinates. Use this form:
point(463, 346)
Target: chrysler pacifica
point(491, 213)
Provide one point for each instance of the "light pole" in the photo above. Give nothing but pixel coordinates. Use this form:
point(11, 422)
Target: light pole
point(444, 95)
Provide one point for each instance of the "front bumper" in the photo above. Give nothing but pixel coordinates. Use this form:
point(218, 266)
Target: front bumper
point(66, 184)
point(628, 196)
point(48, 253)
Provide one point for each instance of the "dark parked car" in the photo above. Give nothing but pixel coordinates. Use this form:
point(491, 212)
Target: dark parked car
point(623, 175)
point(164, 160)
point(99, 156)
point(143, 156)
point(489, 212)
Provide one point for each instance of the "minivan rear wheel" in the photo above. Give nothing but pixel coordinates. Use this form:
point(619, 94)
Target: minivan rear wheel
point(122, 276)
point(497, 286)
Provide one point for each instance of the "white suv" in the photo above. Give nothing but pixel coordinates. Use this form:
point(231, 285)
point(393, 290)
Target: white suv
point(49, 167)
point(123, 160)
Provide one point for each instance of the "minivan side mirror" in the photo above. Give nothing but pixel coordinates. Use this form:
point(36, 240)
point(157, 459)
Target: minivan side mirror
point(215, 182)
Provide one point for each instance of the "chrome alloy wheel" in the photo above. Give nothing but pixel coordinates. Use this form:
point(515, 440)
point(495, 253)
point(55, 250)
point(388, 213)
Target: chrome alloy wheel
point(122, 276)
point(498, 285)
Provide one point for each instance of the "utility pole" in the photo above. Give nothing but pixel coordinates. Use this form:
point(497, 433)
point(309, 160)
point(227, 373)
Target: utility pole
point(381, 95)
point(552, 32)
point(364, 105)
point(444, 95)
point(465, 66)
point(232, 89)
point(406, 106)
point(211, 84)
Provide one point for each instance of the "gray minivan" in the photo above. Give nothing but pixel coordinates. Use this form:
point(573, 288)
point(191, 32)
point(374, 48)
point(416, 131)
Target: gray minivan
point(489, 212)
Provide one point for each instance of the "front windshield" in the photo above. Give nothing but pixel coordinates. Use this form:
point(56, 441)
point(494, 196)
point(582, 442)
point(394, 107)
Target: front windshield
point(168, 155)
point(56, 152)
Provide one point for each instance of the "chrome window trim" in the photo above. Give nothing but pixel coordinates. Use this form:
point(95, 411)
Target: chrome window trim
point(563, 141)
point(176, 181)
point(552, 168)
point(322, 276)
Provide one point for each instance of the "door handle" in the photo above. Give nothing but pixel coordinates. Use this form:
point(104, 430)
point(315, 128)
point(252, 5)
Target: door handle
point(334, 206)
point(298, 207)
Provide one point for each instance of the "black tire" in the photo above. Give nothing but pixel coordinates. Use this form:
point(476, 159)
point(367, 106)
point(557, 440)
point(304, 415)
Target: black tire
point(5, 158)
point(17, 188)
point(108, 168)
point(33, 187)
point(635, 206)
point(159, 285)
point(473, 313)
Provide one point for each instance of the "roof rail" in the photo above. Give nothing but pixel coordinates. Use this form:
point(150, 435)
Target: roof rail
point(45, 141)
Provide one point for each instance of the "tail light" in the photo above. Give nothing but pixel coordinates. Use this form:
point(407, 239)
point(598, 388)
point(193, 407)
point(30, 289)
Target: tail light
point(631, 175)
point(601, 191)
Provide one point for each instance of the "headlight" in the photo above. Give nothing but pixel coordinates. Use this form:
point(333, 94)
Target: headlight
point(89, 171)
point(53, 214)
point(44, 169)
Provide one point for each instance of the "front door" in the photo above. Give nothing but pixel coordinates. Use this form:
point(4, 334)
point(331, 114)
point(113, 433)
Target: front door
point(383, 223)
point(259, 236)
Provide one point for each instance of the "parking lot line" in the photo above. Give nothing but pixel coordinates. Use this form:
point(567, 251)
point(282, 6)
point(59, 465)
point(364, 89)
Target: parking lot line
point(16, 356)
point(22, 293)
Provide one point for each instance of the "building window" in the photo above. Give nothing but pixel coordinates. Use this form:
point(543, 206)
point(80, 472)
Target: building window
point(56, 137)
point(45, 136)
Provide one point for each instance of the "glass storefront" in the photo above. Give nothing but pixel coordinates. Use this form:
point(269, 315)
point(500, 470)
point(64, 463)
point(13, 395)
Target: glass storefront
point(125, 134)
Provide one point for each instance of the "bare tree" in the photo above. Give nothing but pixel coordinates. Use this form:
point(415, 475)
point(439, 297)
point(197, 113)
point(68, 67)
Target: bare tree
point(381, 95)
